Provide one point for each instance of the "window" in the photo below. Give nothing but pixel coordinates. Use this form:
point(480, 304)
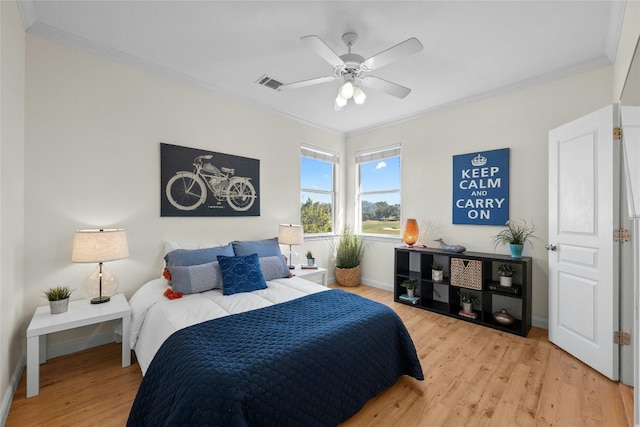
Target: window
point(379, 191)
point(317, 189)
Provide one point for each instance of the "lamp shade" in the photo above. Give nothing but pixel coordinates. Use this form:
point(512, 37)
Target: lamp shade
point(290, 234)
point(99, 245)
point(410, 232)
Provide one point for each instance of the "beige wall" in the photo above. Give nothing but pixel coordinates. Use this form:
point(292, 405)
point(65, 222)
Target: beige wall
point(93, 137)
point(92, 144)
point(520, 121)
point(12, 83)
point(629, 38)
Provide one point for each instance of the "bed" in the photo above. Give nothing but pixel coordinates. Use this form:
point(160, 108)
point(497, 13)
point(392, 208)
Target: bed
point(291, 353)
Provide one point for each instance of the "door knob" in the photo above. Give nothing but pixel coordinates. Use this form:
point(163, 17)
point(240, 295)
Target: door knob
point(551, 247)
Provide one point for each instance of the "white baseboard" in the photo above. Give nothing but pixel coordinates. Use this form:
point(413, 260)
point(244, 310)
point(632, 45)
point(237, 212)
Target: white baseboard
point(52, 351)
point(540, 322)
point(376, 284)
point(11, 390)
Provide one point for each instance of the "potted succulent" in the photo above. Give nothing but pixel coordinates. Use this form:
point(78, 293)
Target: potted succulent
point(515, 235)
point(58, 297)
point(410, 285)
point(468, 299)
point(437, 275)
point(348, 254)
point(311, 261)
point(506, 272)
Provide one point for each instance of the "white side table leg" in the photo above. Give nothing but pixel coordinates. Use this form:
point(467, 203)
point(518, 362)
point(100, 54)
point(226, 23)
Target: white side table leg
point(126, 349)
point(33, 366)
point(43, 348)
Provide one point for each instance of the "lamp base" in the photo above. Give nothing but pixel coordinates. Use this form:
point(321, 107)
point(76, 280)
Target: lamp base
point(292, 267)
point(100, 300)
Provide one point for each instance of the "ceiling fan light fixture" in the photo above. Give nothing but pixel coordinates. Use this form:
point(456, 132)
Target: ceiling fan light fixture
point(358, 95)
point(346, 91)
point(341, 101)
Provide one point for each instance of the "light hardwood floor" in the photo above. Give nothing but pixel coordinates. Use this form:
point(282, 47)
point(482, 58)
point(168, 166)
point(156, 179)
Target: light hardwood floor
point(473, 376)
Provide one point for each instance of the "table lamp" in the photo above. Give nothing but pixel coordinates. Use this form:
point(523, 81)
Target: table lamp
point(100, 246)
point(290, 234)
point(410, 232)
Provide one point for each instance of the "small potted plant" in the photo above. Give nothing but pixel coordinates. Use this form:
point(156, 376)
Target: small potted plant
point(437, 275)
point(468, 299)
point(515, 235)
point(311, 261)
point(410, 285)
point(58, 297)
point(506, 272)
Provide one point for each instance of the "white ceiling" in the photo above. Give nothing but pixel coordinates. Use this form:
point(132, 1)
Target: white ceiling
point(472, 49)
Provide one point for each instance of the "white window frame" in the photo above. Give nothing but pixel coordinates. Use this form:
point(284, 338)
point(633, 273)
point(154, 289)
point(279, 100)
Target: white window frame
point(318, 153)
point(367, 156)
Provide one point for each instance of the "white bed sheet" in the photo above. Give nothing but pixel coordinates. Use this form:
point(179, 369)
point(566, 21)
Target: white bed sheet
point(154, 317)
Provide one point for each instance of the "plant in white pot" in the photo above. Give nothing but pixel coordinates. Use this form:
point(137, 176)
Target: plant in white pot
point(410, 285)
point(515, 235)
point(311, 261)
point(506, 273)
point(58, 297)
point(468, 299)
point(348, 254)
point(437, 273)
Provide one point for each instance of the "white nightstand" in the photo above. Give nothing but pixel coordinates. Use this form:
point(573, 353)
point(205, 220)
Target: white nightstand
point(80, 313)
point(305, 272)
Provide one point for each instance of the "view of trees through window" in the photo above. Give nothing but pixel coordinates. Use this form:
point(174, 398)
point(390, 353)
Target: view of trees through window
point(316, 216)
point(316, 192)
point(380, 217)
point(380, 196)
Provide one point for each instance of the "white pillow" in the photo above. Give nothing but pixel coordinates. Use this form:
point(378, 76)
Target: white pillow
point(170, 245)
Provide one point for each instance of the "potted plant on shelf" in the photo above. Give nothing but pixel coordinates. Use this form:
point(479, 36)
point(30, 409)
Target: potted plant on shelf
point(437, 275)
point(410, 285)
point(348, 254)
point(515, 235)
point(58, 297)
point(506, 273)
point(311, 261)
point(468, 299)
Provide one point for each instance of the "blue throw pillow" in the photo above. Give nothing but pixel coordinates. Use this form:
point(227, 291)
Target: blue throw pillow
point(187, 257)
point(241, 274)
point(263, 248)
point(196, 278)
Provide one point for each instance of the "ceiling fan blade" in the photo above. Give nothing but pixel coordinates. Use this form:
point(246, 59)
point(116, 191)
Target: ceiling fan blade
point(406, 48)
point(318, 46)
point(305, 83)
point(385, 86)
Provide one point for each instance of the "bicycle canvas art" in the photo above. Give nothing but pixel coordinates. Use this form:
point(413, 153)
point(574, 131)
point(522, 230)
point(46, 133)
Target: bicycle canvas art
point(197, 182)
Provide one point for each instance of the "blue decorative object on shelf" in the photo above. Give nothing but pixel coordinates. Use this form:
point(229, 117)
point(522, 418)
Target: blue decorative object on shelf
point(451, 248)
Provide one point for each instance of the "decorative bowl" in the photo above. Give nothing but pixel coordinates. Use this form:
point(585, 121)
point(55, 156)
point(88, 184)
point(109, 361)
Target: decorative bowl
point(503, 317)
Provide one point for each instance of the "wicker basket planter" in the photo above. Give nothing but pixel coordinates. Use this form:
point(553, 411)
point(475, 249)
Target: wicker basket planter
point(348, 276)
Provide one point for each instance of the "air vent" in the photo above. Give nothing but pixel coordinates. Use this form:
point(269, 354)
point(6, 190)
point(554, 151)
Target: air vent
point(269, 82)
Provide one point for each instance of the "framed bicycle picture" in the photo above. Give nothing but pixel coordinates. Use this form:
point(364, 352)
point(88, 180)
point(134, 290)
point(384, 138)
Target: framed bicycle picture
point(195, 182)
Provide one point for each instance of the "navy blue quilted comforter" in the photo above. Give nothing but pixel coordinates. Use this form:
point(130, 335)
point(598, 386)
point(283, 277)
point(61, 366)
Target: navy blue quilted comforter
point(313, 361)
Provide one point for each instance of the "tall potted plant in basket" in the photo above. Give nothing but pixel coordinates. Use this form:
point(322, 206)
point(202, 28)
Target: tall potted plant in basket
point(515, 235)
point(348, 252)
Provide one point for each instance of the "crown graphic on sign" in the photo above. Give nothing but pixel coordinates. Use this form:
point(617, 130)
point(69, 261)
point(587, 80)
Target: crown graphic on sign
point(479, 160)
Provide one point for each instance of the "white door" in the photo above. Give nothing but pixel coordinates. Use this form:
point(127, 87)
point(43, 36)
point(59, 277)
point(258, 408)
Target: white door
point(583, 257)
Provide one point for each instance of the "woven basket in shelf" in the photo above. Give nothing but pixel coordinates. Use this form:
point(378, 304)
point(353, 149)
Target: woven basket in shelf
point(466, 273)
point(348, 276)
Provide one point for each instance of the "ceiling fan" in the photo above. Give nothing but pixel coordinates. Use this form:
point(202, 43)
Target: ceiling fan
point(352, 68)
